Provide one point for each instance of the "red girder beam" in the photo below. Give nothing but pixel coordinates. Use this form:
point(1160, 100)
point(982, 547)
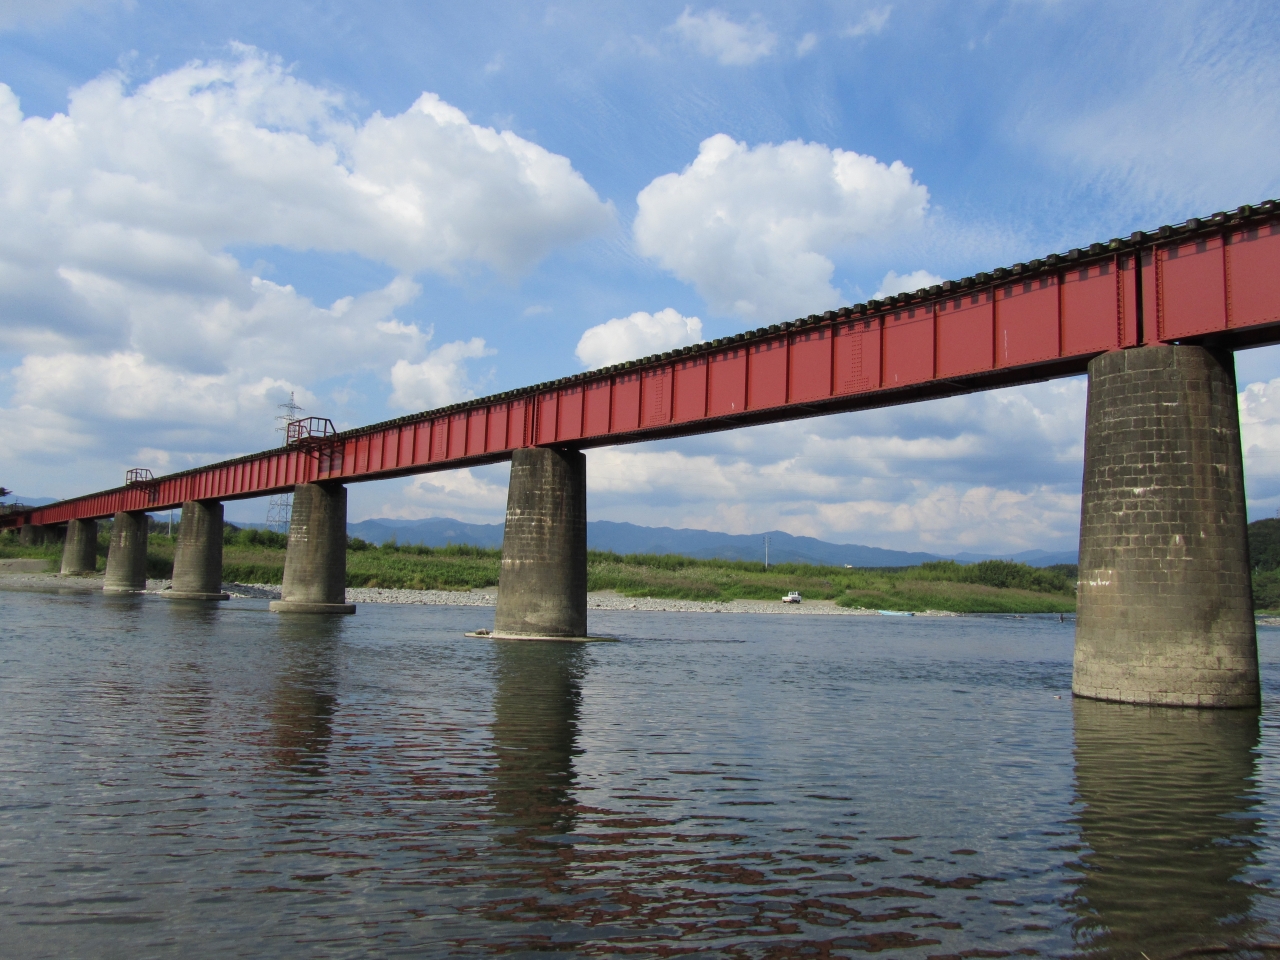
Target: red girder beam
point(1213, 281)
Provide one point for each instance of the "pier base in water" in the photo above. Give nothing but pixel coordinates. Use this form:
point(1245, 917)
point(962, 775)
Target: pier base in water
point(315, 565)
point(1165, 598)
point(197, 556)
point(542, 586)
point(80, 548)
point(127, 555)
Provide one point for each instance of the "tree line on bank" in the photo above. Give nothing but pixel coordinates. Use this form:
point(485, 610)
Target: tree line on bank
point(1264, 554)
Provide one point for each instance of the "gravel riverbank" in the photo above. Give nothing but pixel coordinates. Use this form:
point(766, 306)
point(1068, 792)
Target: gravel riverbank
point(595, 601)
point(606, 600)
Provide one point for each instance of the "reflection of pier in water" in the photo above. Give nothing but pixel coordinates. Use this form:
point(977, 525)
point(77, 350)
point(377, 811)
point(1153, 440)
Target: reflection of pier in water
point(536, 700)
point(187, 696)
point(303, 703)
point(1164, 809)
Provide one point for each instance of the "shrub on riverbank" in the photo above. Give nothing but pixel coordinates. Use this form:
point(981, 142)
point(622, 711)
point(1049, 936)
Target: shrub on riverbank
point(1266, 590)
point(918, 595)
point(10, 549)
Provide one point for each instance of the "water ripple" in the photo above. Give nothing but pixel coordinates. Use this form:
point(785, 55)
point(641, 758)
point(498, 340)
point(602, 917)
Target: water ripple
point(224, 781)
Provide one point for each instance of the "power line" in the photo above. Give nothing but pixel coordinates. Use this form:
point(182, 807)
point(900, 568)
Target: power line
point(280, 506)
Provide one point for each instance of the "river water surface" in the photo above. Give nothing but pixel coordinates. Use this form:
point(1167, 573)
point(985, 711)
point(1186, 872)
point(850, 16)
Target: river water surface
point(195, 780)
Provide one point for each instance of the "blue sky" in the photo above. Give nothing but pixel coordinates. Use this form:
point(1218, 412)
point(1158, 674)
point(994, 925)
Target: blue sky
point(387, 207)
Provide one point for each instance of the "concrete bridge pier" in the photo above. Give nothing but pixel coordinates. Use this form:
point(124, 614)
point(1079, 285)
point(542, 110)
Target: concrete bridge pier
point(80, 548)
point(542, 586)
point(1165, 599)
point(315, 564)
point(127, 555)
point(197, 555)
point(37, 535)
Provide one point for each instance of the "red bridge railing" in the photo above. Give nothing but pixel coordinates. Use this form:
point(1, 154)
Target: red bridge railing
point(309, 432)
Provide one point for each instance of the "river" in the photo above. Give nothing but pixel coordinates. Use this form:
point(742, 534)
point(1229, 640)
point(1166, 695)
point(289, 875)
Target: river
point(184, 780)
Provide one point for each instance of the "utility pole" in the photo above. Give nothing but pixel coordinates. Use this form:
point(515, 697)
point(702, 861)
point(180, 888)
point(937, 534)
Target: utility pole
point(766, 552)
point(280, 506)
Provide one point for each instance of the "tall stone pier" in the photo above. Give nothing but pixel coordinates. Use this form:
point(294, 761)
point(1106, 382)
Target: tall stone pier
point(197, 555)
point(80, 548)
point(127, 555)
point(1165, 601)
point(315, 564)
point(37, 535)
point(542, 586)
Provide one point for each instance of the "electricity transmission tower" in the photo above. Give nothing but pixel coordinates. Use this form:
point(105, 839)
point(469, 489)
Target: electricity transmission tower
point(280, 506)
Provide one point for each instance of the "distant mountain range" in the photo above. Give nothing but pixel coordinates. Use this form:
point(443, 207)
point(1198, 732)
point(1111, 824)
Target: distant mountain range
point(701, 544)
point(30, 501)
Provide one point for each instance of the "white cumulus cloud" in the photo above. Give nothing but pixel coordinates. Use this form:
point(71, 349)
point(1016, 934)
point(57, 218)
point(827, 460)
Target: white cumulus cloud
point(728, 41)
point(641, 334)
point(239, 151)
point(438, 379)
point(753, 228)
point(119, 289)
point(907, 283)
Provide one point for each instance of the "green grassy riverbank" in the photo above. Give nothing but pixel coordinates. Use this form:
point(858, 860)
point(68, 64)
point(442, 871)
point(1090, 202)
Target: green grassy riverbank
point(255, 556)
point(994, 586)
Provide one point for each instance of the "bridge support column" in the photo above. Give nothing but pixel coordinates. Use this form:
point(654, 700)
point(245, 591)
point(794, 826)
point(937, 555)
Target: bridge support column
point(197, 555)
point(542, 586)
point(36, 534)
point(80, 548)
point(315, 565)
point(127, 555)
point(1165, 599)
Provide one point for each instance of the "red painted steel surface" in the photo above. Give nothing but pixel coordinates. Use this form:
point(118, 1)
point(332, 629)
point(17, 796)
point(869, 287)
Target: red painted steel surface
point(1215, 281)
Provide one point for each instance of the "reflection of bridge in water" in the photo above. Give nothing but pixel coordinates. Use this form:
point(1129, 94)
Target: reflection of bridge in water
point(536, 700)
point(304, 698)
point(1164, 798)
point(1164, 808)
point(1166, 816)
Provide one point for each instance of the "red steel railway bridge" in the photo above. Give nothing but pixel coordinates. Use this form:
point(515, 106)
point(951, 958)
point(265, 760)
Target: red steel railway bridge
point(1165, 608)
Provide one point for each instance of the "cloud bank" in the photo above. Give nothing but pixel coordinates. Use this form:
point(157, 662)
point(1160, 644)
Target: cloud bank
point(933, 476)
point(119, 293)
point(638, 335)
point(754, 228)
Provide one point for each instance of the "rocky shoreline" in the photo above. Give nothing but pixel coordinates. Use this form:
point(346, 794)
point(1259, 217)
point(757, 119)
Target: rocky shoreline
point(19, 576)
point(606, 600)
